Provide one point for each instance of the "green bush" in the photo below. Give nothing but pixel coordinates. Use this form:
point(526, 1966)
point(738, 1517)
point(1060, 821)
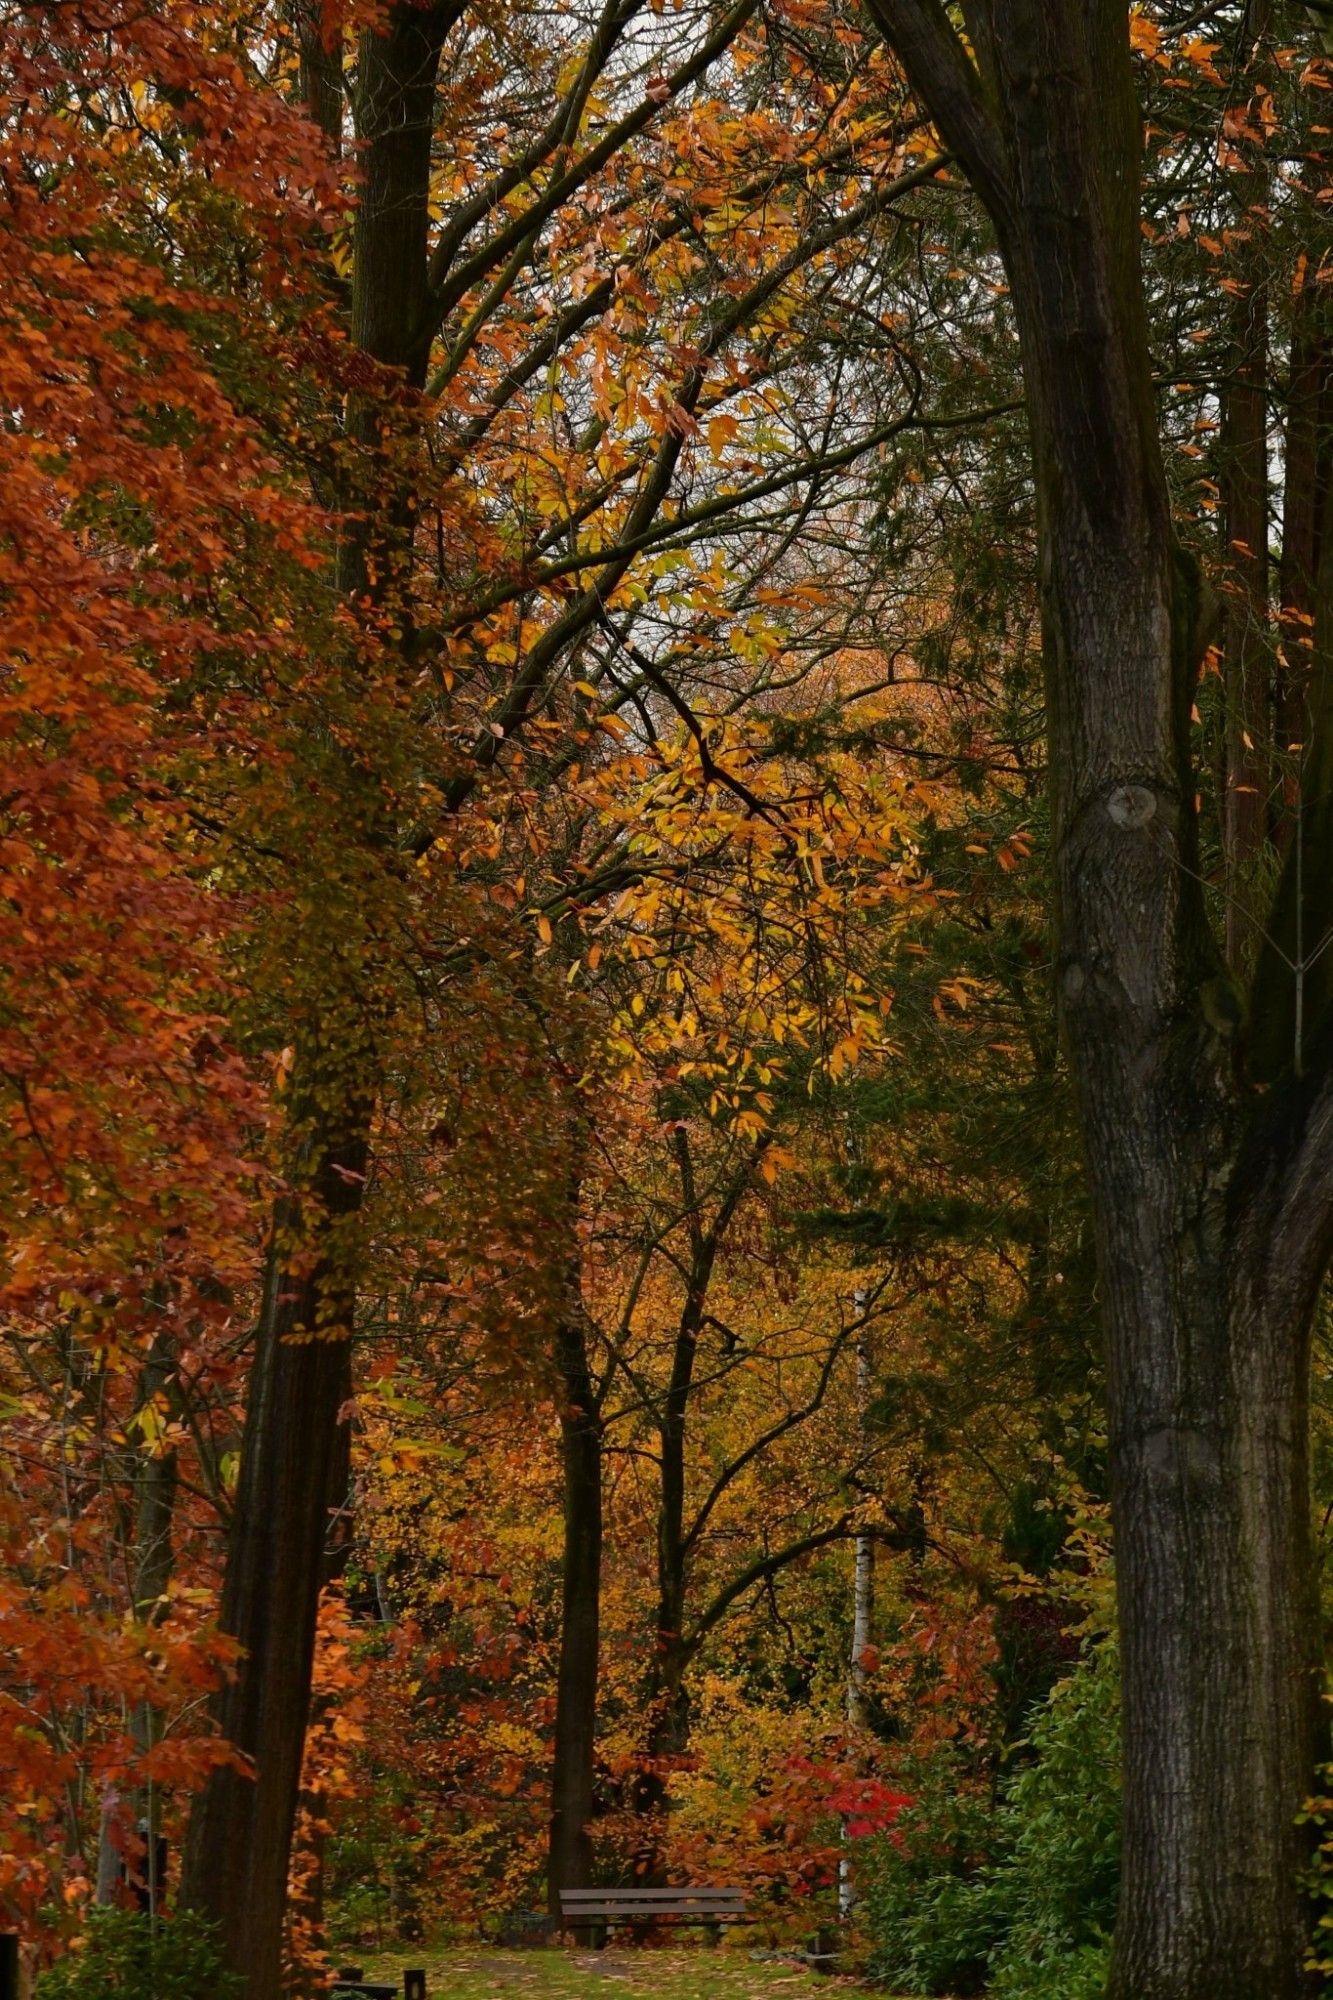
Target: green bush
point(1318, 1817)
point(924, 1888)
point(1016, 1899)
point(128, 1957)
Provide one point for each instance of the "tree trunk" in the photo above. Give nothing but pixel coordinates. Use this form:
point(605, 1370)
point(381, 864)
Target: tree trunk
point(293, 1473)
point(569, 1864)
point(665, 1700)
point(863, 1567)
point(668, 1718)
point(1210, 1208)
point(1206, 1366)
point(294, 1453)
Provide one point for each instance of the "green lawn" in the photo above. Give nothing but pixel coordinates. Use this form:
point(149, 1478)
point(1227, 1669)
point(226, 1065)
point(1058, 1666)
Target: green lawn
point(575, 1975)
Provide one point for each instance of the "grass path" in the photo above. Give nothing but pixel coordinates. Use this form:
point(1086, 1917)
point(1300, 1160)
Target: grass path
point(603, 1975)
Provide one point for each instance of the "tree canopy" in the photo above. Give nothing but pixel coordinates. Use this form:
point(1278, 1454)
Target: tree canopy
point(665, 867)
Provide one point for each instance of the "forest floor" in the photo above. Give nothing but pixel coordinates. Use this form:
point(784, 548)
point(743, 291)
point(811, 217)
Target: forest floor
point(574, 1975)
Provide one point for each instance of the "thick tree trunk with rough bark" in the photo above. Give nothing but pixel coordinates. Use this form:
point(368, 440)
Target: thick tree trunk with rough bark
point(1211, 1198)
point(1206, 1369)
point(569, 1861)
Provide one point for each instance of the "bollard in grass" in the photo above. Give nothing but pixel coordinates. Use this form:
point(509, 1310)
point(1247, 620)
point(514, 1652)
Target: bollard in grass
point(414, 1985)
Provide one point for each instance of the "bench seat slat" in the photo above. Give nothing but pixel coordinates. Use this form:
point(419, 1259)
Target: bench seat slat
point(649, 1912)
point(704, 1904)
point(663, 1909)
point(652, 1895)
point(665, 1903)
point(639, 1908)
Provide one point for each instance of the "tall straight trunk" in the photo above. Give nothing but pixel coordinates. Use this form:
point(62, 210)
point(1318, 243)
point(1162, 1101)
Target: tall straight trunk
point(669, 1734)
point(569, 1855)
point(294, 1451)
point(1206, 1350)
point(293, 1475)
point(665, 1695)
point(863, 1564)
point(1211, 1199)
point(665, 1699)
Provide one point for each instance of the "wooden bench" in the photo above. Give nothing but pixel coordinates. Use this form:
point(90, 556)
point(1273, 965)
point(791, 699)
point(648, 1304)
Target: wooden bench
point(694, 1904)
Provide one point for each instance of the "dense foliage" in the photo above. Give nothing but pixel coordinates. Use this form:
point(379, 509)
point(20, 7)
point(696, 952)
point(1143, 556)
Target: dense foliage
point(1017, 1895)
point(125, 1956)
point(553, 1299)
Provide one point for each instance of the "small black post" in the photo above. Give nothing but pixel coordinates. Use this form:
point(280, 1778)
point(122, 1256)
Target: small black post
point(414, 1986)
point(9, 1967)
point(823, 1950)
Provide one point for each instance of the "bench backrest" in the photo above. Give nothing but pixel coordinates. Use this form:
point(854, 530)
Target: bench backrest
point(680, 1902)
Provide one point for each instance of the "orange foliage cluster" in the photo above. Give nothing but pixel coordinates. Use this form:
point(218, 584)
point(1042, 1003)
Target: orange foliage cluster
point(134, 491)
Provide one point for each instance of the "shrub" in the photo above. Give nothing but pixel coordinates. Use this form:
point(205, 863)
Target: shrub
point(1018, 1899)
point(924, 1892)
point(126, 1956)
point(1318, 1816)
